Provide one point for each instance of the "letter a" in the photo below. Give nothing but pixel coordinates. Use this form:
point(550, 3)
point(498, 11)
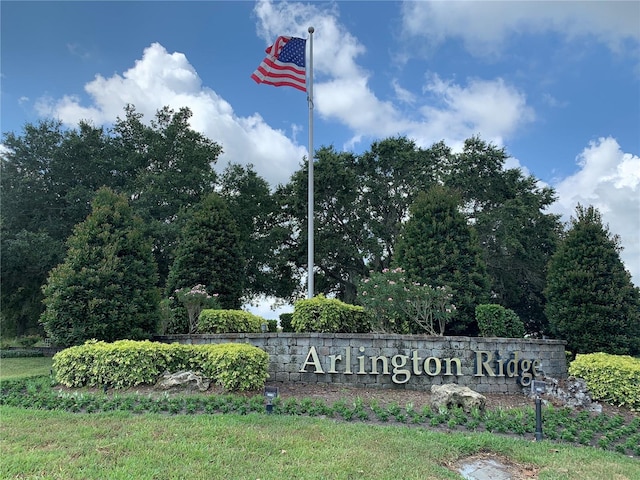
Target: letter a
point(315, 362)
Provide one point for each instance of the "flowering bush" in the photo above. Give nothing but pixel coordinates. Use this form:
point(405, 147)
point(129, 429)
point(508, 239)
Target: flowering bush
point(401, 306)
point(195, 299)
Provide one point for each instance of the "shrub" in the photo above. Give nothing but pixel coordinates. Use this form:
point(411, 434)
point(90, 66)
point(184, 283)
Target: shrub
point(195, 300)
point(20, 353)
point(129, 363)
point(285, 322)
point(29, 340)
point(328, 315)
point(611, 378)
point(272, 325)
point(403, 306)
point(591, 301)
point(229, 321)
point(235, 366)
point(106, 286)
point(498, 321)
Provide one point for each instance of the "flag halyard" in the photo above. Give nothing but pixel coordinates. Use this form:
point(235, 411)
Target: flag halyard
point(284, 65)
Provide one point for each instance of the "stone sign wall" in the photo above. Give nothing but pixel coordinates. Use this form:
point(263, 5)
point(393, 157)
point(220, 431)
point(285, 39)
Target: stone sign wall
point(414, 362)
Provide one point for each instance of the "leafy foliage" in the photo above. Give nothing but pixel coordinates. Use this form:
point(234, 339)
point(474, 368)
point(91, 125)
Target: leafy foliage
point(438, 247)
point(209, 254)
point(497, 321)
point(26, 259)
point(229, 321)
point(516, 234)
point(360, 202)
point(255, 211)
point(48, 178)
point(167, 166)
point(322, 315)
point(400, 306)
point(611, 378)
point(106, 286)
point(128, 363)
point(194, 300)
point(50, 175)
point(591, 302)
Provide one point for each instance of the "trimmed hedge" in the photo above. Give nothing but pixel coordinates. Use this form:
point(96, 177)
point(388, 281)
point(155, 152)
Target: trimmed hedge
point(20, 353)
point(497, 321)
point(229, 321)
point(329, 315)
point(285, 322)
point(613, 379)
point(127, 363)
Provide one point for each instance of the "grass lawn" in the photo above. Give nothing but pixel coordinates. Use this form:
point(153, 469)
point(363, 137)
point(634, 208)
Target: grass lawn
point(56, 444)
point(24, 367)
point(120, 445)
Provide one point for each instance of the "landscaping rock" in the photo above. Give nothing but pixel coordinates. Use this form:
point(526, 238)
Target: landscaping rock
point(183, 379)
point(572, 393)
point(452, 395)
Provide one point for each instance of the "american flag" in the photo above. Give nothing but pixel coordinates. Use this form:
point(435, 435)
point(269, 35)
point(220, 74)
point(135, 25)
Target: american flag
point(284, 65)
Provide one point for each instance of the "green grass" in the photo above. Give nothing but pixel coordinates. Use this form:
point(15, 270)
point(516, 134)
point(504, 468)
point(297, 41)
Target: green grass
point(62, 445)
point(11, 368)
point(132, 442)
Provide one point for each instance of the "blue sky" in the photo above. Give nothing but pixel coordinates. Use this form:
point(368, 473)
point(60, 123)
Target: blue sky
point(556, 83)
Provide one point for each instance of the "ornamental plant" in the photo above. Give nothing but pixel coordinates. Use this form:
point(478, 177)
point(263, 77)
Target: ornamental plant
point(401, 306)
point(196, 299)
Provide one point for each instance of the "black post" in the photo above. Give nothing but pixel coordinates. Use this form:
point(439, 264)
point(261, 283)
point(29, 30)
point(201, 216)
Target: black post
point(538, 419)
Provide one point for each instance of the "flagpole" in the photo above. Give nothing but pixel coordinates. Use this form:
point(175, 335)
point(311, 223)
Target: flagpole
point(310, 159)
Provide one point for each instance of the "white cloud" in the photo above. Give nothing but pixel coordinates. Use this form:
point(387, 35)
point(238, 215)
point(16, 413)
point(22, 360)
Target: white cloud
point(491, 108)
point(342, 91)
point(608, 179)
point(444, 111)
point(160, 78)
point(485, 27)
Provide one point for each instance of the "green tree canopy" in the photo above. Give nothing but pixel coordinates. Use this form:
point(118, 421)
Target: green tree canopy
point(437, 247)
point(167, 166)
point(210, 253)
point(257, 215)
point(517, 236)
point(49, 175)
point(359, 203)
point(106, 286)
point(591, 301)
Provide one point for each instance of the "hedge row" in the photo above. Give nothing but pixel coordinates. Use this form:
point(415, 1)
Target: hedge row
point(127, 363)
point(329, 315)
point(613, 379)
point(20, 353)
point(229, 321)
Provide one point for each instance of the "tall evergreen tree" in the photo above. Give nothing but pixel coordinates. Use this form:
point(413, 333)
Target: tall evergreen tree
point(591, 301)
point(209, 253)
point(166, 166)
point(255, 211)
point(106, 286)
point(516, 234)
point(438, 247)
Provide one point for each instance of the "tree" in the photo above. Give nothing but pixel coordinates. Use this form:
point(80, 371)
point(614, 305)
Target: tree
point(165, 166)
point(359, 203)
point(49, 176)
point(26, 259)
point(591, 301)
point(517, 236)
point(106, 286)
point(438, 248)
point(209, 253)
point(256, 213)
